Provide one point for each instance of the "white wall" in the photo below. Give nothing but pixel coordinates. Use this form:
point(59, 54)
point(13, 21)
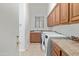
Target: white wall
point(51, 6)
point(38, 9)
point(68, 30)
point(8, 28)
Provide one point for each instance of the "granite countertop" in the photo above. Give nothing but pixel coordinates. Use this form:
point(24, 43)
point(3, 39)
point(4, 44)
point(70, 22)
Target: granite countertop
point(41, 30)
point(70, 47)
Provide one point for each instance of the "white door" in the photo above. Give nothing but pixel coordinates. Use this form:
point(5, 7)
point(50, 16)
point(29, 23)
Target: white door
point(9, 28)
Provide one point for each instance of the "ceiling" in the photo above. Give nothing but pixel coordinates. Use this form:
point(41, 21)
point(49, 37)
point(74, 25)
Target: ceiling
point(38, 9)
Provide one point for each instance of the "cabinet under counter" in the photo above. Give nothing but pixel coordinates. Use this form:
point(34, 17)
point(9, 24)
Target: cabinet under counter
point(65, 47)
point(35, 37)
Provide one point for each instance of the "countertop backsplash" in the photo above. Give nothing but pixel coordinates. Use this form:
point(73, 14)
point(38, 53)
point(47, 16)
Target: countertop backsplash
point(68, 30)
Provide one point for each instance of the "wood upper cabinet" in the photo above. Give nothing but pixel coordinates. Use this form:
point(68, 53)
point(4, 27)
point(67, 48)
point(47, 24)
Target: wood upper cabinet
point(64, 13)
point(74, 12)
point(50, 21)
point(53, 17)
point(57, 14)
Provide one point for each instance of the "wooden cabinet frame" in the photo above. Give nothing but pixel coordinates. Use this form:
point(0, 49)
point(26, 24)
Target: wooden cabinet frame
point(73, 19)
point(64, 10)
point(57, 51)
point(35, 37)
point(57, 14)
point(71, 11)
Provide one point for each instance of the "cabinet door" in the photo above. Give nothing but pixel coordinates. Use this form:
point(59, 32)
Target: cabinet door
point(74, 12)
point(50, 20)
point(35, 37)
point(57, 14)
point(54, 53)
point(53, 17)
point(63, 53)
point(55, 50)
point(64, 13)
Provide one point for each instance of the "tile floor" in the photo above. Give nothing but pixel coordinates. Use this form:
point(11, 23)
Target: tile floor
point(33, 50)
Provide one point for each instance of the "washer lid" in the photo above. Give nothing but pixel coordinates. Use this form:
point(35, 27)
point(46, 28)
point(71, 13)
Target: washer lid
point(53, 35)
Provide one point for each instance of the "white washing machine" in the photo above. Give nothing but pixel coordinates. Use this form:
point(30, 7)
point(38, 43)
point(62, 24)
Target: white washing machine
point(45, 39)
